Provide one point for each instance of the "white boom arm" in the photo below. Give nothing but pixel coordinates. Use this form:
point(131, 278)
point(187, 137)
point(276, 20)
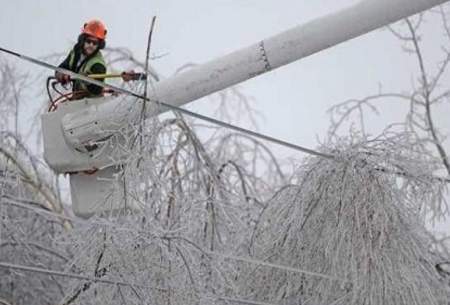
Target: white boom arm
point(247, 63)
point(68, 130)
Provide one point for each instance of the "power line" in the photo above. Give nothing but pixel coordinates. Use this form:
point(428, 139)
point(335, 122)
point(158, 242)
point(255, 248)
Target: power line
point(197, 115)
point(212, 253)
point(121, 283)
point(168, 106)
point(243, 301)
point(277, 266)
point(71, 275)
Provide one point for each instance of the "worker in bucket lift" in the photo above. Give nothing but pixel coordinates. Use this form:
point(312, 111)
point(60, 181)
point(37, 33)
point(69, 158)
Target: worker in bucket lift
point(86, 58)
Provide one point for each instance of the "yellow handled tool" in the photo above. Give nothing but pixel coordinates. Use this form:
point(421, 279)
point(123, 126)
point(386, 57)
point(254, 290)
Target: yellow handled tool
point(132, 75)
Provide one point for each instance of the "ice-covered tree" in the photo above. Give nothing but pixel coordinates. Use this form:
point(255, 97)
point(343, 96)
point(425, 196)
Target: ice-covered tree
point(222, 221)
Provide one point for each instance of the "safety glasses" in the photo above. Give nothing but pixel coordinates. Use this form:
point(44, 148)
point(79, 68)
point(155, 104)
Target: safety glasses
point(91, 41)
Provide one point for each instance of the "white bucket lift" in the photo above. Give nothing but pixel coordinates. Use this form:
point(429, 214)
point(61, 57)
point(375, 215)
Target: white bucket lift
point(95, 168)
point(102, 191)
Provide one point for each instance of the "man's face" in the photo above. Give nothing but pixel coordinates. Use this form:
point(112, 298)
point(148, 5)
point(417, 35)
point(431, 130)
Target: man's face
point(90, 45)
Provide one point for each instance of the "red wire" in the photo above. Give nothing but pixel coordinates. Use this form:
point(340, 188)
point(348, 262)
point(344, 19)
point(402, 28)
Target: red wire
point(54, 106)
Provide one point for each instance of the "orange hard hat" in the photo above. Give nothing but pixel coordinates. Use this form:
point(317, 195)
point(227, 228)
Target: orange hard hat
point(95, 28)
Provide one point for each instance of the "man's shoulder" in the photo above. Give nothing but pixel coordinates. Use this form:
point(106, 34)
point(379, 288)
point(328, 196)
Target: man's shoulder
point(98, 67)
point(74, 51)
point(99, 57)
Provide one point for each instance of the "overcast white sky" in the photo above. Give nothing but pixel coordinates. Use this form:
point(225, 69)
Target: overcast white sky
point(293, 99)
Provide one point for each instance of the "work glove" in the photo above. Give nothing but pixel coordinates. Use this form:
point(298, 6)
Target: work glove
point(131, 75)
point(127, 75)
point(62, 78)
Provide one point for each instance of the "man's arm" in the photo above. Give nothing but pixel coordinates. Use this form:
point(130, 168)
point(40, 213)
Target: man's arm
point(63, 78)
point(65, 63)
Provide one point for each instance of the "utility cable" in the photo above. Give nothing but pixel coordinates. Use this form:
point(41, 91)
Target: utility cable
point(276, 266)
point(193, 114)
point(71, 275)
point(190, 113)
point(121, 283)
point(211, 253)
point(168, 106)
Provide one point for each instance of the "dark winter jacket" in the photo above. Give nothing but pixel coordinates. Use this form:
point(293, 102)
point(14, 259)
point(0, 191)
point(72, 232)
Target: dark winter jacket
point(93, 64)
